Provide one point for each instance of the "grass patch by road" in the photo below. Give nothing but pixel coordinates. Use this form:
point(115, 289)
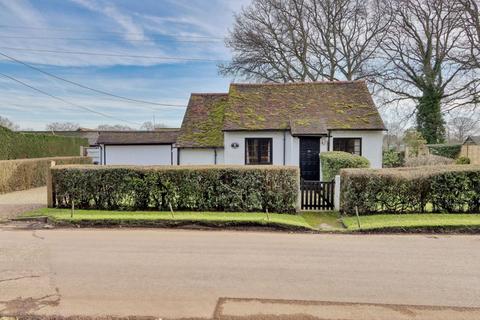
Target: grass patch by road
point(308, 220)
point(414, 222)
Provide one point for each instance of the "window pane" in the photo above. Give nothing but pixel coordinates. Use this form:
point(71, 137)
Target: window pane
point(264, 151)
point(258, 151)
point(350, 145)
point(252, 148)
point(358, 147)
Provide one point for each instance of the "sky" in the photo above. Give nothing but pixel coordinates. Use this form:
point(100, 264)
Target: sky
point(136, 49)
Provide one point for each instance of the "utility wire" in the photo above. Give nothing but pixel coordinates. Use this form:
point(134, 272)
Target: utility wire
point(114, 54)
point(66, 101)
point(107, 40)
point(110, 32)
point(87, 87)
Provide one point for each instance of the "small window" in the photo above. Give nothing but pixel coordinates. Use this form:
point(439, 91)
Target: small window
point(350, 145)
point(258, 151)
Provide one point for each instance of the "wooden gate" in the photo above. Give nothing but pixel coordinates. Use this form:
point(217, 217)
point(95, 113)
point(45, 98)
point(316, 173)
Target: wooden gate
point(317, 195)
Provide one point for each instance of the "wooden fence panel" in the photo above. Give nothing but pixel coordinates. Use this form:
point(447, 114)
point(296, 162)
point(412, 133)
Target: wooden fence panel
point(472, 152)
point(317, 195)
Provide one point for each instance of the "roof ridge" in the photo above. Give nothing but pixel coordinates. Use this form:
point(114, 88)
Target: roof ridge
point(139, 131)
point(209, 94)
point(296, 83)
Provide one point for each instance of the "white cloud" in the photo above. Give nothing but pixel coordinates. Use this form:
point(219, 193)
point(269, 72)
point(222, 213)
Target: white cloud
point(133, 31)
point(22, 10)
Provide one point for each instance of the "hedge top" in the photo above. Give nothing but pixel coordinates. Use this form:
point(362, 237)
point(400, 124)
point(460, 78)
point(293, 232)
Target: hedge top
point(16, 145)
point(341, 155)
point(41, 159)
point(411, 172)
point(333, 161)
point(181, 167)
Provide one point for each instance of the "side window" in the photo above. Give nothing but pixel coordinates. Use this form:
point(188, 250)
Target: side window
point(350, 145)
point(258, 151)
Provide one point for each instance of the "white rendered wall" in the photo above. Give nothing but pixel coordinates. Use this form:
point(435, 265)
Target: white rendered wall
point(200, 156)
point(292, 146)
point(372, 142)
point(174, 155)
point(237, 156)
point(138, 154)
point(220, 156)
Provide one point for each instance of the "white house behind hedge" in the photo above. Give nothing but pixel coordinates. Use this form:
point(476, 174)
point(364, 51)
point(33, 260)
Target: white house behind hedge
point(279, 124)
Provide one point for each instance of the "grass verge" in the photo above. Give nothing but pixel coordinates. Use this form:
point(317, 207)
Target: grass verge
point(304, 221)
point(415, 223)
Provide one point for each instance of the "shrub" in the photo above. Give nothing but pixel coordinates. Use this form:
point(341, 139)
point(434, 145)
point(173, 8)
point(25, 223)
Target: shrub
point(392, 159)
point(415, 142)
point(452, 189)
point(206, 188)
point(463, 160)
point(15, 145)
point(430, 160)
point(24, 174)
point(333, 161)
point(445, 150)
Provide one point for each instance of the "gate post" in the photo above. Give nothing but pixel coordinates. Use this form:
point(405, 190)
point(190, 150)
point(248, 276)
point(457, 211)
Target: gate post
point(50, 189)
point(336, 193)
point(299, 195)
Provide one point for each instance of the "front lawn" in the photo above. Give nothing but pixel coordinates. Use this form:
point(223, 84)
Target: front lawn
point(310, 220)
point(414, 222)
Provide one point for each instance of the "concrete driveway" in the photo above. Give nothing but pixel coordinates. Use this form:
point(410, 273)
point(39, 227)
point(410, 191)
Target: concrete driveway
point(14, 203)
point(239, 275)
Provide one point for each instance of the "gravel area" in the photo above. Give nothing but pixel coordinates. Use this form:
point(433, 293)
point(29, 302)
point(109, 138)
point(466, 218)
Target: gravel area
point(14, 203)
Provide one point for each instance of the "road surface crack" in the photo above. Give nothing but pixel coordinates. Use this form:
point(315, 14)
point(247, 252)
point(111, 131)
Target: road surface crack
point(18, 278)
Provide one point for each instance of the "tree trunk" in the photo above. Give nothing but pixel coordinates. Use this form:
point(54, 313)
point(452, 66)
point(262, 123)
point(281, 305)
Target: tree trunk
point(429, 116)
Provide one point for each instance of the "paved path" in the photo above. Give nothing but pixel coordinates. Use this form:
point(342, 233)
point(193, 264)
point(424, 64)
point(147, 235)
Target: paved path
point(14, 203)
point(175, 273)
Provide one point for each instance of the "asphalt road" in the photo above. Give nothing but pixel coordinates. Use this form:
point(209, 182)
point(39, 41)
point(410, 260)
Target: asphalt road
point(174, 274)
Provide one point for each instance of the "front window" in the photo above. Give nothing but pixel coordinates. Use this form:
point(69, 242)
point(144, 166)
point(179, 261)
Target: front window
point(258, 151)
point(350, 145)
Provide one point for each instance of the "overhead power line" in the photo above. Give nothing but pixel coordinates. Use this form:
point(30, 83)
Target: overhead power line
point(66, 101)
point(108, 40)
point(113, 54)
point(87, 87)
point(110, 32)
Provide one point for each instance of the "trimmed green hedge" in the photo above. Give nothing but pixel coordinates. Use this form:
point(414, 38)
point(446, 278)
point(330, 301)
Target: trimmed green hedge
point(451, 151)
point(206, 188)
point(24, 174)
point(451, 189)
point(333, 161)
point(16, 145)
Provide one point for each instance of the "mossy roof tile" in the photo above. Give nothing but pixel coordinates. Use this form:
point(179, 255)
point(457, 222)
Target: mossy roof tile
point(159, 136)
point(305, 108)
point(203, 121)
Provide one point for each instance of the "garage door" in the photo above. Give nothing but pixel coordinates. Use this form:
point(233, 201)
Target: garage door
point(138, 154)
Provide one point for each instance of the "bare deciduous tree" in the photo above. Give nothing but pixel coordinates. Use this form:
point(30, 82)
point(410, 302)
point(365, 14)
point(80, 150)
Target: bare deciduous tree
point(305, 40)
point(62, 126)
point(7, 123)
point(150, 126)
point(471, 20)
point(419, 61)
point(461, 127)
point(115, 127)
